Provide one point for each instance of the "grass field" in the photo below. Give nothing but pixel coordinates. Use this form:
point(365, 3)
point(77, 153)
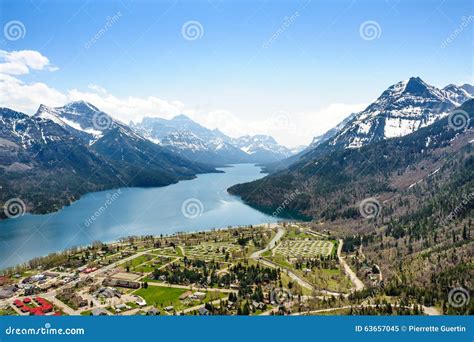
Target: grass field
point(161, 296)
point(138, 260)
point(157, 295)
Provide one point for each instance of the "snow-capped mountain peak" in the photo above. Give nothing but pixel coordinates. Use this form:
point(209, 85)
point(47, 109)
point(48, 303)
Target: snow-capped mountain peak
point(400, 110)
point(79, 118)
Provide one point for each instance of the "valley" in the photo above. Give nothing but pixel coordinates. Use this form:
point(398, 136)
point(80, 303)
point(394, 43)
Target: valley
point(388, 193)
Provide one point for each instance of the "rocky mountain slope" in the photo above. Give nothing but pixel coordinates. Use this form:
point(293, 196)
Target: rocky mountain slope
point(330, 183)
point(195, 142)
point(52, 158)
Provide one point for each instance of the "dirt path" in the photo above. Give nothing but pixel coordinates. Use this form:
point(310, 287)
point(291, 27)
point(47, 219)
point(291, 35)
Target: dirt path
point(358, 284)
point(270, 245)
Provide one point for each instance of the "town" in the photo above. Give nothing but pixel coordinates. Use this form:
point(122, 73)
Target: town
point(269, 269)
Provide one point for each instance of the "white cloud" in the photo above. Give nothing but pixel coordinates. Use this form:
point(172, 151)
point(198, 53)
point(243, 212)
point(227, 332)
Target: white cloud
point(287, 127)
point(21, 62)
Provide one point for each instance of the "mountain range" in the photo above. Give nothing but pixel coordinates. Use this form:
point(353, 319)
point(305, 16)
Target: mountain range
point(401, 109)
point(53, 157)
point(369, 152)
point(195, 142)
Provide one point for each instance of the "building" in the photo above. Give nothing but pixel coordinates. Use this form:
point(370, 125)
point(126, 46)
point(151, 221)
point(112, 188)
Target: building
point(203, 311)
point(198, 295)
point(121, 283)
point(153, 312)
point(99, 312)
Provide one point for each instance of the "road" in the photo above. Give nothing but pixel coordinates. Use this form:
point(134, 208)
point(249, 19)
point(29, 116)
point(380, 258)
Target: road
point(191, 287)
point(270, 245)
point(358, 284)
point(430, 311)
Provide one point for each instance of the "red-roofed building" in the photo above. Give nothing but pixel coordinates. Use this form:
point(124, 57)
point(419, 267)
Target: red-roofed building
point(27, 300)
point(46, 308)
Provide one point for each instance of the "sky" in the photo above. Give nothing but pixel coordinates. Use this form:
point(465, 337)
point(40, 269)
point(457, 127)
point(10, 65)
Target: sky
point(291, 69)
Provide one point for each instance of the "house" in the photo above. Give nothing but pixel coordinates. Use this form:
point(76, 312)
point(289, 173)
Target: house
point(38, 277)
point(121, 307)
point(108, 292)
point(203, 311)
point(8, 291)
point(153, 312)
point(140, 301)
point(29, 289)
point(258, 305)
point(198, 295)
point(121, 283)
point(169, 308)
point(99, 312)
point(185, 295)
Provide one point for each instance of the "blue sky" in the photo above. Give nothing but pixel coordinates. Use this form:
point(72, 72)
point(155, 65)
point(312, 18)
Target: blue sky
point(313, 72)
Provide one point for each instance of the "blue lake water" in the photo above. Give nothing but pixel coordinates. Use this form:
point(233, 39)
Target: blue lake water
point(198, 204)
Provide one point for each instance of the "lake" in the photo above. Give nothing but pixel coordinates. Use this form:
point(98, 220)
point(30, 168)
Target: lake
point(198, 204)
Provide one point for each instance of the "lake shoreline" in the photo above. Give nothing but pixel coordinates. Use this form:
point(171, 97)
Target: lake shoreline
point(133, 212)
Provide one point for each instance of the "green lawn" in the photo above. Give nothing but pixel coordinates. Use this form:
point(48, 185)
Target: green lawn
point(8, 312)
point(157, 295)
point(137, 261)
point(161, 296)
